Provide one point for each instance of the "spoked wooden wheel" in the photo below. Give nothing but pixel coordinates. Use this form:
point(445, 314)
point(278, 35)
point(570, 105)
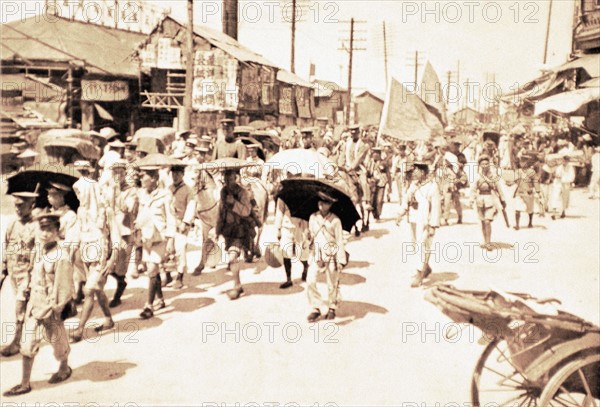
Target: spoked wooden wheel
point(575, 384)
point(497, 381)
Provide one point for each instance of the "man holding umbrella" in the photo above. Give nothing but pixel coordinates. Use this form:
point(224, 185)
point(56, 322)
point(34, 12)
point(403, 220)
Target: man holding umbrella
point(329, 256)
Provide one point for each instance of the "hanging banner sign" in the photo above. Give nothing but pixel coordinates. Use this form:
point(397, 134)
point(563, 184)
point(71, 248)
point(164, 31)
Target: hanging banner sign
point(104, 91)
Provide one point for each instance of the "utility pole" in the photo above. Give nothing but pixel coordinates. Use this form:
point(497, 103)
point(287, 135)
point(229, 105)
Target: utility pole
point(468, 86)
point(385, 56)
point(416, 67)
point(186, 116)
point(414, 62)
point(547, 31)
point(230, 18)
point(293, 56)
point(350, 51)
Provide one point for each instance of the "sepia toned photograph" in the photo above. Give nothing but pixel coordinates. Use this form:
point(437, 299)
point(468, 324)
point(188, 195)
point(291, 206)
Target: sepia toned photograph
point(322, 203)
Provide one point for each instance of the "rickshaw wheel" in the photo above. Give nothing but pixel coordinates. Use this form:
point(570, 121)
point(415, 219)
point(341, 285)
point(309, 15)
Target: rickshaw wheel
point(577, 383)
point(510, 387)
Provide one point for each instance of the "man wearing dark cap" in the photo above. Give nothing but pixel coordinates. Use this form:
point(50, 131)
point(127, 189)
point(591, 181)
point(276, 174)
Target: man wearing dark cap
point(17, 262)
point(51, 290)
point(235, 223)
point(230, 147)
point(328, 255)
point(307, 139)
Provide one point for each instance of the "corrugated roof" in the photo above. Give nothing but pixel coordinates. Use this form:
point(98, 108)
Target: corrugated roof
point(105, 50)
point(226, 43)
point(377, 95)
point(292, 79)
point(324, 89)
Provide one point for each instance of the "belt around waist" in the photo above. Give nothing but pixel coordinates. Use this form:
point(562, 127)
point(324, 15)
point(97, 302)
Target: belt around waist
point(485, 193)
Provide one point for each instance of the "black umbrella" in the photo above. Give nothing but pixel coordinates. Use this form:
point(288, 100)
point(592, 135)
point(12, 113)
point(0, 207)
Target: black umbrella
point(301, 196)
point(27, 180)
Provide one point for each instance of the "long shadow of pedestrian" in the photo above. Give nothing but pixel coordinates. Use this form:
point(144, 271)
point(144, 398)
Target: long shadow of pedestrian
point(188, 304)
point(345, 279)
point(135, 298)
point(123, 330)
point(94, 371)
point(525, 228)
point(435, 278)
point(357, 264)
point(270, 289)
point(216, 278)
point(354, 310)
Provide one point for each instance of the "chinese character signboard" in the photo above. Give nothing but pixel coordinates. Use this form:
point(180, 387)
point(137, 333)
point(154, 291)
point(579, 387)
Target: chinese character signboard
point(104, 91)
point(215, 82)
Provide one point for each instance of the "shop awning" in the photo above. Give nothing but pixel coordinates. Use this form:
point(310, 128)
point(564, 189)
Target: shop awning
point(589, 63)
point(568, 102)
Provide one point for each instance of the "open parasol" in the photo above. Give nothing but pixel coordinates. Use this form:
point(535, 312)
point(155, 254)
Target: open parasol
point(159, 160)
point(300, 161)
point(27, 181)
point(301, 197)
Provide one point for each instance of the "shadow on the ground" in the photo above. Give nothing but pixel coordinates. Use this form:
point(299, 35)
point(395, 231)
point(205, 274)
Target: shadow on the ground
point(345, 279)
point(188, 304)
point(377, 233)
point(93, 371)
point(357, 264)
point(271, 289)
point(354, 310)
point(215, 278)
point(502, 246)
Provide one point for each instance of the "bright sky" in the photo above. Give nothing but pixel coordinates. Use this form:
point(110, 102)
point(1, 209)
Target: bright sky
point(502, 37)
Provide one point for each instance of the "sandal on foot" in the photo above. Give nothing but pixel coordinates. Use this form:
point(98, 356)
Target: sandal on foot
point(105, 327)
point(60, 376)
point(9, 351)
point(235, 293)
point(17, 390)
point(285, 285)
point(313, 316)
point(77, 337)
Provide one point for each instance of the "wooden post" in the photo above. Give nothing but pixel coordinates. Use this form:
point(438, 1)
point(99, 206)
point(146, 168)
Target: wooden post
point(186, 113)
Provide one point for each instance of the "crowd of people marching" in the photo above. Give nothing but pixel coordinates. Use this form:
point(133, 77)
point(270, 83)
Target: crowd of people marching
point(135, 217)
